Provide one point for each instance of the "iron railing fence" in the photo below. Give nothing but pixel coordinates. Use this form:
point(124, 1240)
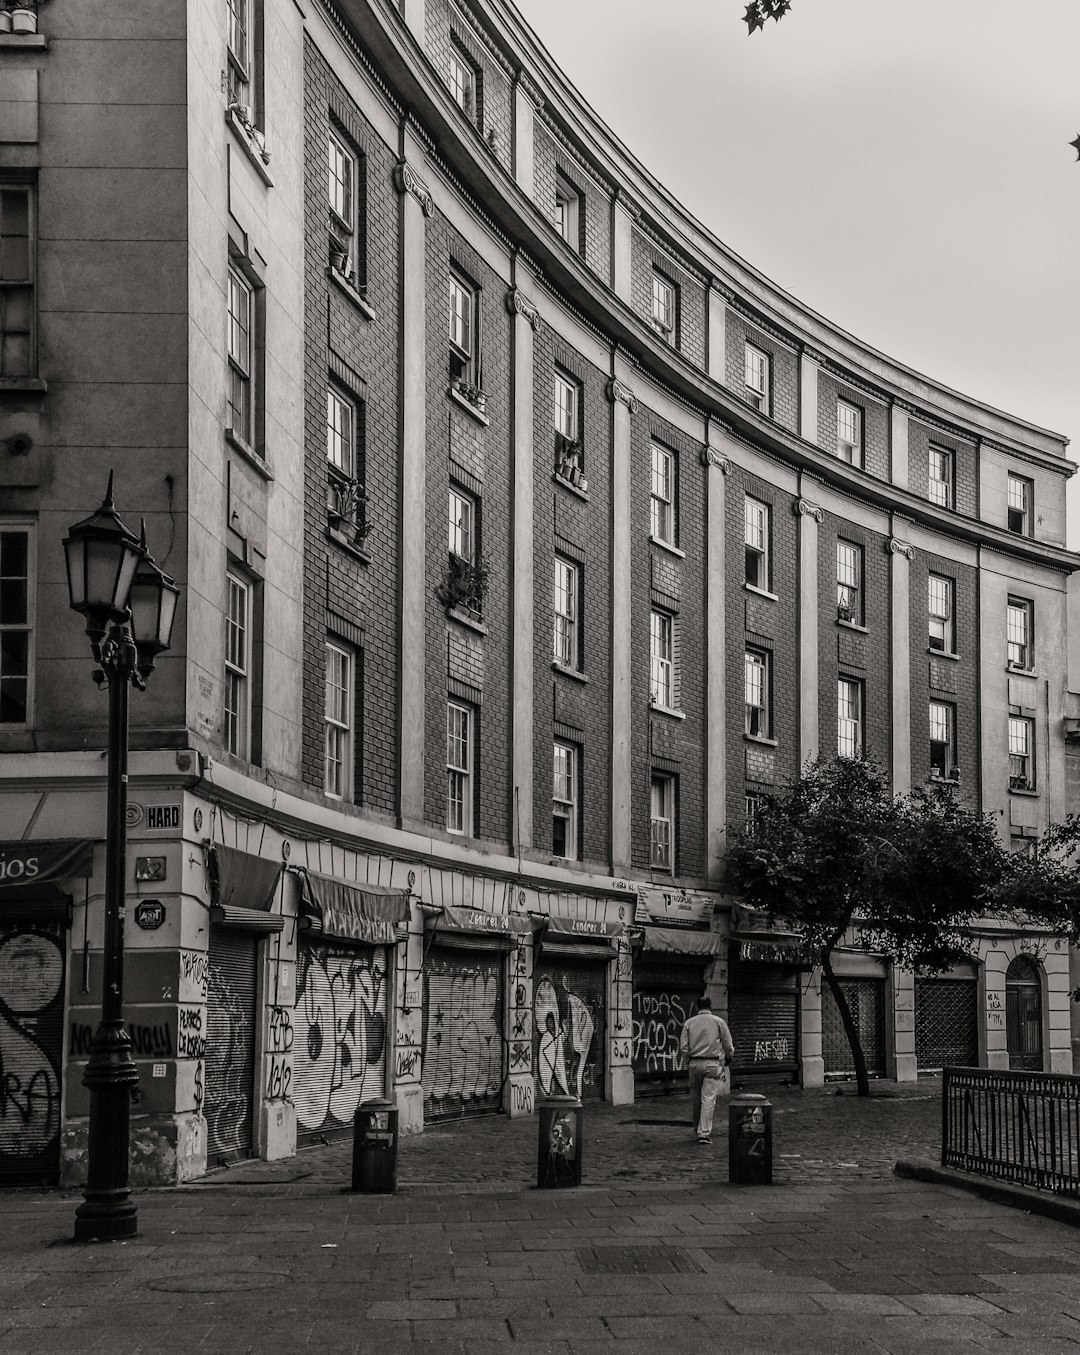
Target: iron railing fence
point(1013, 1126)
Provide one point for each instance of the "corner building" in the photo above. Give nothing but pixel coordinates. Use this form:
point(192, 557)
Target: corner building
point(525, 535)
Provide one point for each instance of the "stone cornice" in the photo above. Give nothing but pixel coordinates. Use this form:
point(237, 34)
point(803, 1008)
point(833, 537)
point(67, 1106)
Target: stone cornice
point(530, 91)
point(406, 180)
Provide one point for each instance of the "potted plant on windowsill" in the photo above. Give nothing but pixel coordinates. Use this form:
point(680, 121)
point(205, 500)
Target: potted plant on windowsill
point(346, 509)
point(465, 584)
point(24, 16)
point(473, 394)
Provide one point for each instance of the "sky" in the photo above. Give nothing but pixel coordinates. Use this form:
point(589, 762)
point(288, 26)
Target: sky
point(900, 166)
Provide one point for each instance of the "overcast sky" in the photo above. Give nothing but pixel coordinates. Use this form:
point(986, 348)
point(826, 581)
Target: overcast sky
point(901, 166)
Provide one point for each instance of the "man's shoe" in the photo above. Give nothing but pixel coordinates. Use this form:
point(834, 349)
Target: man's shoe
point(703, 1139)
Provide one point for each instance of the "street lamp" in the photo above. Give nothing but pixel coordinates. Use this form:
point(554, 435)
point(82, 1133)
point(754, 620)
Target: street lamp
point(129, 605)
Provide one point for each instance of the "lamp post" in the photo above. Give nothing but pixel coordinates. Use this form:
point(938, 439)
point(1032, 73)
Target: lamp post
point(128, 604)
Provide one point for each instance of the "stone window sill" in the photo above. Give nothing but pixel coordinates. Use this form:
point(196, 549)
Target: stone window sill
point(1014, 671)
point(669, 711)
point(1017, 790)
point(249, 146)
point(464, 618)
point(21, 41)
point(944, 780)
point(573, 673)
point(468, 407)
point(564, 483)
point(667, 545)
point(23, 385)
point(852, 625)
point(347, 543)
point(762, 739)
point(355, 296)
point(943, 654)
point(761, 592)
point(250, 455)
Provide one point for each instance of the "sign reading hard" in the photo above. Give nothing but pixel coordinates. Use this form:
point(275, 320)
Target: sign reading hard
point(149, 914)
point(161, 817)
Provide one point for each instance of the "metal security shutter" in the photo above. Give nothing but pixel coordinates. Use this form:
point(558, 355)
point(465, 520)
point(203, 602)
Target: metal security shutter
point(866, 998)
point(946, 1023)
point(463, 1066)
point(763, 1013)
point(339, 1035)
point(663, 998)
point(232, 986)
point(569, 1025)
point(31, 1048)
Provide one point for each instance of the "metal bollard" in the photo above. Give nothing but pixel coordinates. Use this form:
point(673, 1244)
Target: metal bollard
point(375, 1145)
point(750, 1140)
point(558, 1154)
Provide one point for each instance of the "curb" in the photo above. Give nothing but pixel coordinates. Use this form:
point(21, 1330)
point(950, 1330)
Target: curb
point(1017, 1197)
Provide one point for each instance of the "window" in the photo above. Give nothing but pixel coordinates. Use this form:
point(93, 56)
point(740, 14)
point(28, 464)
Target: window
point(943, 741)
point(664, 306)
point(462, 523)
point(338, 718)
point(567, 415)
point(464, 349)
point(849, 425)
point(1023, 846)
point(662, 505)
point(849, 582)
point(662, 663)
point(238, 25)
point(849, 717)
point(16, 612)
point(465, 83)
point(662, 823)
point(564, 802)
point(1020, 497)
point(459, 768)
point(756, 520)
point(939, 602)
point(16, 283)
point(343, 188)
point(567, 644)
point(940, 482)
point(346, 501)
point(241, 357)
point(568, 211)
point(753, 802)
point(340, 432)
point(1021, 753)
point(756, 687)
point(237, 733)
point(756, 378)
point(1020, 631)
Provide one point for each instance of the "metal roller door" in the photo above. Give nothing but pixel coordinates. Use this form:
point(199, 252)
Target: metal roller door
point(866, 998)
point(464, 1065)
point(946, 1023)
point(339, 1041)
point(569, 1025)
point(763, 1013)
point(232, 987)
point(663, 999)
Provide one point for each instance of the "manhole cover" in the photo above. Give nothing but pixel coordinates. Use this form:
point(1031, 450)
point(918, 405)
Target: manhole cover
point(218, 1283)
point(635, 1261)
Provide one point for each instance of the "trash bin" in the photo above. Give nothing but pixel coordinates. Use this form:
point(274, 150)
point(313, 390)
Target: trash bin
point(749, 1140)
point(558, 1156)
point(375, 1144)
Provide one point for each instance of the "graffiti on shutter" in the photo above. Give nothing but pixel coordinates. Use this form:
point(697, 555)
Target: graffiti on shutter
point(464, 1048)
point(663, 1000)
point(763, 1013)
point(569, 1027)
point(230, 1043)
point(31, 1037)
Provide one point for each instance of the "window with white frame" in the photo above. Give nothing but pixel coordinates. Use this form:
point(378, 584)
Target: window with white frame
point(940, 477)
point(239, 36)
point(662, 659)
point(943, 741)
point(662, 498)
point(1021, 753)
point(662, 823)
point(1020, 493)
point(849, 433)
point(345, 498)
point(338, 711)
point(758, 724)
point(753, 803)
point(756, 535)
point(849, 582)
point(1020, 632)
point(568, 211)
point(464, 82)
point(340, 431)
point(664, 306)
point(756, 377)
point(459, 768)
point(16, 620)
point(464, 310)
point(564, 802)
point(237, 732)
point(566, 393)
point(849, 717)
point(17, 349)
point(342, 184)
point(462, 524)
point(241, 357)
point(567, 645)
point(939, 605)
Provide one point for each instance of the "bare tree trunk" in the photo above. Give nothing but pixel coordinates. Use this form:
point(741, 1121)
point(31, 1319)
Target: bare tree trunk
point(862, 1081)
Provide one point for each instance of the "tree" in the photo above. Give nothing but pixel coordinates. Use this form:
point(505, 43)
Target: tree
point(1043, 884)
point(760, 10)
point(839, 859)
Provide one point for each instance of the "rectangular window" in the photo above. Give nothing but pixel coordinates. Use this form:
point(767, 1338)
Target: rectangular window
point(241, 357)
point(1020, 494)
point(939, 604)
point(756, 377)
point(464, 309)
point(344, 186)
point(943, 741)
point(940, 477)
point(16, 615)
point(564, 802)
point(1020, 632)
point(752, 803)
point(849, 582)
point(756, 694)
point(568, 211)
point(16, 283)
point(340, 432)
point(238, 28)
point(567, 602)
point(849, 717)
point(465, 83)
point(1021, 753)
point(756, 532)
point(664, 306)
point(662, 662)
point(567, 415)
point(462, 524)
point(459, 768)
point(662, 823)
point(662, 503)
point(338, 719)
point(237, 733)
point(849, 432)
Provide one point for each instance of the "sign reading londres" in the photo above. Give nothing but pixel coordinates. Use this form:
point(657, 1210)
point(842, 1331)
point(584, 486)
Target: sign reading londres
point(28, 863)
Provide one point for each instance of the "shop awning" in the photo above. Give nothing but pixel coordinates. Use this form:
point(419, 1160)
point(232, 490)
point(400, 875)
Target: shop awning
point(241, 880)
point(578, 936)
point(473, 927)
point(373, 914)
point(683, 941)
point(33, 863)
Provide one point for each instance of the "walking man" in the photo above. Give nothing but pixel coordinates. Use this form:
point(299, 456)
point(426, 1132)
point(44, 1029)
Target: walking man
point(706, 1046)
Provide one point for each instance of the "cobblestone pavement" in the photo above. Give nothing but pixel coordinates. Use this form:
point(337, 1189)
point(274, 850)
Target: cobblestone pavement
point(838, 1256)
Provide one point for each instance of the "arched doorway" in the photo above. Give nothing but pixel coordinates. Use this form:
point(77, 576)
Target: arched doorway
point(1023, 1014)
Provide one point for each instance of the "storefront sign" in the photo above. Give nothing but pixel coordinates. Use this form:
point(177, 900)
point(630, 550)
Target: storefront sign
point(162, 817)
point(27, 863)
point(149, 914)
point(674, 908)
